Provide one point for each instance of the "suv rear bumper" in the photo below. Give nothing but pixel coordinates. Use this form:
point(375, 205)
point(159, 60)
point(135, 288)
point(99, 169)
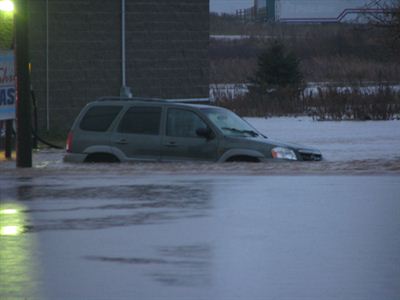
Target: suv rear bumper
point(74, 157)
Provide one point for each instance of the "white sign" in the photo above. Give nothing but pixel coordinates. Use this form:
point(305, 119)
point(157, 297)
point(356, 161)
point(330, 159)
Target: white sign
point(7, 86)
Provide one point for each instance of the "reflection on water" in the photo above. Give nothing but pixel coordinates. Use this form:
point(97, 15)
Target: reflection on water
point(98, 207)
point(18, 278)
point(192, 266)
point(178, 266)
point(11, 221)
point(201, 237)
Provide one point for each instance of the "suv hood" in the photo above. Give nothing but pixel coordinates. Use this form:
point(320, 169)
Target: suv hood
point(293, 146)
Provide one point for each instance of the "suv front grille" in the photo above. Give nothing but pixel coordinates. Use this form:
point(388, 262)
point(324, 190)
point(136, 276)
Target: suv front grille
point(310, 156)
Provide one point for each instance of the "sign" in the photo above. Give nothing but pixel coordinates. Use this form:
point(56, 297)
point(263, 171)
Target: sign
point(7, 85)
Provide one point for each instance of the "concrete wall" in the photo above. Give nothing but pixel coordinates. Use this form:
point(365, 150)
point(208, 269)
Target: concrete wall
point(166, 49)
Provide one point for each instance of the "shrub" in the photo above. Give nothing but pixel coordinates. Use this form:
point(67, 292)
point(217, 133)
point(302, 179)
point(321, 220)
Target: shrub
point(353, 104)
point(329, 104)
point(277, 68)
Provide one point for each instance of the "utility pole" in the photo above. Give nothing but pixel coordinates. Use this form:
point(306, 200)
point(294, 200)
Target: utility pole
point(7, 6)
point(24, 110)
point(125, 91)
point(8, 139)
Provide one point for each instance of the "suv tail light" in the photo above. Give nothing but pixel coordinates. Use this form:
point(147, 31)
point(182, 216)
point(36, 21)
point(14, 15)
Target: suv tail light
point(68, 146)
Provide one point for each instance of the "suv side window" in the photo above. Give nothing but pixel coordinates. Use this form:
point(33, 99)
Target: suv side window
point(141, 120)
point(183, 123)
point(99, 118)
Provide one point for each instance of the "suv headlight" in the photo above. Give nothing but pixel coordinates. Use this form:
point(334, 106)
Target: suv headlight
point(283, 153)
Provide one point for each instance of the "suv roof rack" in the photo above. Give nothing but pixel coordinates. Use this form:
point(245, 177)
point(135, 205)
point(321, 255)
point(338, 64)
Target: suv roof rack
point(186, 100)
point(114, 98)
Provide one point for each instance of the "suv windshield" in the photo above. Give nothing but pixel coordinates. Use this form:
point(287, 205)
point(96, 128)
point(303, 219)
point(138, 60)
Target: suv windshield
point(229, 123)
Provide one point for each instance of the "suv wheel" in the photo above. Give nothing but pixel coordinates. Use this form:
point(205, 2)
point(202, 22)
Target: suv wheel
point(242, 158)
point(101, 157)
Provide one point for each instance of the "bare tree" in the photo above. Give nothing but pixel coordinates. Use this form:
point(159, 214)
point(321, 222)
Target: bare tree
point(387, 16)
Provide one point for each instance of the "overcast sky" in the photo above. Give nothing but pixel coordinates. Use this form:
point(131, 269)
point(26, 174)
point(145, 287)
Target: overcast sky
point(229, 6)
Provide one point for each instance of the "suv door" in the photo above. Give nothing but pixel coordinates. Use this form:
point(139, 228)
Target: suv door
point(94, 127)
point(137, 135)
point(181, 142)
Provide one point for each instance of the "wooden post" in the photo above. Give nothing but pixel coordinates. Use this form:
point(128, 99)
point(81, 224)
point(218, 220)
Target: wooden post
point(24, 117)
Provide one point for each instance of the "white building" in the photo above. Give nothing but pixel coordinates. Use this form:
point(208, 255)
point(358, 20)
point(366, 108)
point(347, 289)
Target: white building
point(320, 11)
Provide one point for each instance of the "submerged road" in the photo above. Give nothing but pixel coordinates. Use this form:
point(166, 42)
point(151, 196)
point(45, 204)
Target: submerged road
point(115, 235)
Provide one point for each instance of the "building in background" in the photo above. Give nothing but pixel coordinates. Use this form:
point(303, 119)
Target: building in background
point(75, 49)
point(317, 11)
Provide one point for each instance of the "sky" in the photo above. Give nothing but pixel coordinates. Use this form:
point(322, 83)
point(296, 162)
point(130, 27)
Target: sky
point(229, 6)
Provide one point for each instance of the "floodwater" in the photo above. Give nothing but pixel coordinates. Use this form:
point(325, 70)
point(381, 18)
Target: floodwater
point(200, 237)
point(291, 230)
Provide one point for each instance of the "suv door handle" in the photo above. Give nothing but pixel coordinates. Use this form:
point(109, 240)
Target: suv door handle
point(171, 144)
point(122, 142)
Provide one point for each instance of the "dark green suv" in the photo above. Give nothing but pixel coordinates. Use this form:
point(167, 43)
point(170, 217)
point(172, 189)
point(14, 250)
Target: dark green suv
point(133, 129)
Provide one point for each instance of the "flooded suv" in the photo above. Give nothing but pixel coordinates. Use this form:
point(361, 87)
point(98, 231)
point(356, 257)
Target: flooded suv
point(118, 129)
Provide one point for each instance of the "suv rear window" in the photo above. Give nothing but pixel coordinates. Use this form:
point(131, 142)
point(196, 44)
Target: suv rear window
point(99, 118)
point(141, 120)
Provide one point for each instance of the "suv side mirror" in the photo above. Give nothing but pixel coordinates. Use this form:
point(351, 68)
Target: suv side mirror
point(205, 133)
